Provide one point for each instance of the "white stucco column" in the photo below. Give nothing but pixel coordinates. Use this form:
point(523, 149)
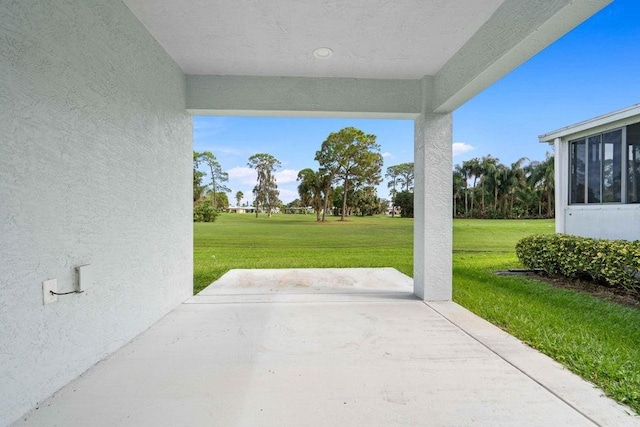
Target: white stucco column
point(561, 177)
point(432, 229)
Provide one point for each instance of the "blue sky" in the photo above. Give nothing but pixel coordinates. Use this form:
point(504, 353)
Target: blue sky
point(592, 70)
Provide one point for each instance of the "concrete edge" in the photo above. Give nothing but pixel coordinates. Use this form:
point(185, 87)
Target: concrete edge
point(581, 395)
point(293, 297)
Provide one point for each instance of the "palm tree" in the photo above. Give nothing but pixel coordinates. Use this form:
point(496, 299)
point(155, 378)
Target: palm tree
point(549, 183)
point(496, 179)
point(458, 189)
point(313, 188)
point(487, 167)
point(542, 182)
point(239, 196)
point(472, 169)
point(516, 181)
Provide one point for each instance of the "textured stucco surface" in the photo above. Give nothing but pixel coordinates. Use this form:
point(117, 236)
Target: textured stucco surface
point(432, 236)
point(618, 222)
point(377, 39)
point(94, 169)
point(303, 96)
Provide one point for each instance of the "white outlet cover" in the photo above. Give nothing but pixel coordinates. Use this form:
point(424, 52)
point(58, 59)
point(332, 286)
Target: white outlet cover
point(85, 278)
point(49, 286)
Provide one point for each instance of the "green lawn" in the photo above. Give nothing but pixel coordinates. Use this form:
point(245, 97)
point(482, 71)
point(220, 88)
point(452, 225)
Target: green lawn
point(282, 241)
point(598, 340)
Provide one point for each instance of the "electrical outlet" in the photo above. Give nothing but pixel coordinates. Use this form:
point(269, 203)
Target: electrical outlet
point(49, 286)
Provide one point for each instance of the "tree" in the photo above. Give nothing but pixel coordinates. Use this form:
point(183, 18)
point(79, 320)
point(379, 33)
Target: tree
point(406, 175)
point(325, 181)
point(402, 175)
point(549, 183)
point(542, 182)
point(198, 188)
point(516, 182)
point(487, 167)
point(458, 188)
point(266, 190)
point(498, 179)
point(297, 203)
point(471, 168)
point(217, 174)
point(311, 189)
point(221, 200)
point(404, 199)
point(460, 183)
point(516, 190)
point(239, 196)
point(203, 211)
point(351, 157)
point(393, 173)
point(366, 201)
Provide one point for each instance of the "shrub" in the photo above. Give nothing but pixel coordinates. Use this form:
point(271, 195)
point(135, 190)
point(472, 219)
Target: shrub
point(615, 262)
point(203, 211)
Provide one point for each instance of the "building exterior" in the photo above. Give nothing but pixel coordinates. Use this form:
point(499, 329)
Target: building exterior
point(597, 176)
point(241, 209)
point(96, 98)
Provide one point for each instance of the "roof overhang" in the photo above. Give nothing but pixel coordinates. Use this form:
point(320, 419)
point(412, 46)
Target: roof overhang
point(419, 54)
point(612, 120)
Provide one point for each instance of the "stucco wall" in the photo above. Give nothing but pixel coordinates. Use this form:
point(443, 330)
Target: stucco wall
point(604, 222)
point(94, 169)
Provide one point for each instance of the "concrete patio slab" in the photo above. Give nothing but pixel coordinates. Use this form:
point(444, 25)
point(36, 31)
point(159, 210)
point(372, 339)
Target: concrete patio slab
point(330, 347)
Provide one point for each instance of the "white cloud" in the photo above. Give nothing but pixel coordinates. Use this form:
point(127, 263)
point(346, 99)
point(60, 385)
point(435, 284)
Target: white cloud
point(243, 174)
point(386, 154)
point(286, 175)
point(460, 148)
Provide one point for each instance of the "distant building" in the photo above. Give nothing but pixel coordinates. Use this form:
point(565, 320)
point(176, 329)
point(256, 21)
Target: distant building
point(241, 209)
point(597, 176)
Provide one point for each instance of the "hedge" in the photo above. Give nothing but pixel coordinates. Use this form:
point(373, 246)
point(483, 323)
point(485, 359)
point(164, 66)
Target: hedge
point(615, 262)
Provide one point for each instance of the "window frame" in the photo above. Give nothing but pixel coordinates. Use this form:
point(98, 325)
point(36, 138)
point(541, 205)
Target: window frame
point(627, 146)
point(585, 140)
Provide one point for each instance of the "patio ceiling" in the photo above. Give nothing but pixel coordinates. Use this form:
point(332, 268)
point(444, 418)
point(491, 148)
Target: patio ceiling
point(370, 38)
point(465, 45)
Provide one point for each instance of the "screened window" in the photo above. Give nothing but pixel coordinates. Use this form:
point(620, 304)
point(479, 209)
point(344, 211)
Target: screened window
point(577, 172)
point(612, 167)
point(596, 172)
point(594, 168)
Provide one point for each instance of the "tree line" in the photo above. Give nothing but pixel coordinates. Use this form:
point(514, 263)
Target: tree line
point(350, 168)
point(210, 197)
point(485, 188)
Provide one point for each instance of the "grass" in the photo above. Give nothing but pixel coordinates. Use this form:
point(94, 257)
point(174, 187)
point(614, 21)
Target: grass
point(297, 241)
point(596, 339)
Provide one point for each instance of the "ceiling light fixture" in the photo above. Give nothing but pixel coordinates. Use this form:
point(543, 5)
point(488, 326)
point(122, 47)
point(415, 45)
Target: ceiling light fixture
point(322, 53)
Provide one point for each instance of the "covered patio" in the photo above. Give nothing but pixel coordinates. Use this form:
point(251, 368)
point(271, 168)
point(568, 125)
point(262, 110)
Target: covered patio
point(96, 99)
point(325, 347)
